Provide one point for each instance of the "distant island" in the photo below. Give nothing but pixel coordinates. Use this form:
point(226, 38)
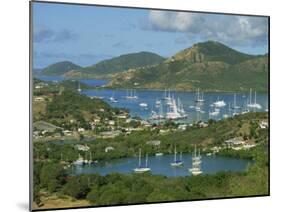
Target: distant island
point(211, 66)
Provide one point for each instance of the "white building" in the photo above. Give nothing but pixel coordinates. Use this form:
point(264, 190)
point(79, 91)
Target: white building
point(81, 147)
point(108, 149)
point(263, 124)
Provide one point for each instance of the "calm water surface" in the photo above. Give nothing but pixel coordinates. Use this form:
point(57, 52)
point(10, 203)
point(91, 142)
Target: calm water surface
point(161, 165)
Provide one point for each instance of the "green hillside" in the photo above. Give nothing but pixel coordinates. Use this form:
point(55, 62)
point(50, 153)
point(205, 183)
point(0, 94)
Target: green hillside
point(59, 68)
point(118, 64)
point(211, 66)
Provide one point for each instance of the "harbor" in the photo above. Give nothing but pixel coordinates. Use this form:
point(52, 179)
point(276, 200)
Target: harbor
point(161, 165)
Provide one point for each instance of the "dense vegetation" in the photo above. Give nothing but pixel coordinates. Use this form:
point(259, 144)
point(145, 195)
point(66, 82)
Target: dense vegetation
point(123, 62)
point(104, 68)
point(66, 108)
point(139, 188)
point(69, 105)
point(59, 68)
point(211, 66)
point(245, 126)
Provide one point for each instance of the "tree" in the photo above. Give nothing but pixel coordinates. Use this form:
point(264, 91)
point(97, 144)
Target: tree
point(52, 176)
point(77, 187)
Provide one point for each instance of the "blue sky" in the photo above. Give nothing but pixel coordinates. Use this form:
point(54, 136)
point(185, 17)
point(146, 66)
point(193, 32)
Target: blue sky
point(86, 35)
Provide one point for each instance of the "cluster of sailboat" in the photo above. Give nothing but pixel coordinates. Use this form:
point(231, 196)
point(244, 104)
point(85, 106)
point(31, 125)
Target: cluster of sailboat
point(177, 162)
point(174, 108)
point(233, 108)
point(142, 168)
point(171, 108)
point(81, 161)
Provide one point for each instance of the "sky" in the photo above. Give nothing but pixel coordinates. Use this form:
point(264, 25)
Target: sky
point(86, 35)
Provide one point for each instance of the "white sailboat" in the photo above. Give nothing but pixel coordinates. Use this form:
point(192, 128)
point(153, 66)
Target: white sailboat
point(159, 154)
point(176, 162)
point(214, 112)
point(173, 112)
point(79, 88)
point(79, 161)
point(131, 95)
point(255, 104)
point(140, 168)
point(157, 116)
point(167, 95)
point(90, 161)
point(196, 164)
point(143, 104)
point(235, 107)
point(199, 99)
point(245, 108)
point(219, 103)
point(112, 99)
point(157, 103)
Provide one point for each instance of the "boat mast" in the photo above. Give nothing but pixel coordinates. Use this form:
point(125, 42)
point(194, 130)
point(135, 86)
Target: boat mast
point(140, 157)
point(250, 96)
point(175, 156)
point(146, 159)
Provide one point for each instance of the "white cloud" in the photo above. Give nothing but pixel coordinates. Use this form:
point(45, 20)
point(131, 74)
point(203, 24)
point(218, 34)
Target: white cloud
point(230, 29)
point(171, 21)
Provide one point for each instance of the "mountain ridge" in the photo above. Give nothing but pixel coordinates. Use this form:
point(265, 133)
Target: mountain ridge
point(209, 65)
point(106, 67)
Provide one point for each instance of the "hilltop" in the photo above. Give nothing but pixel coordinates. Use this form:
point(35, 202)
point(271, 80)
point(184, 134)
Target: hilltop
point(105, 68)
point(59, 68)
point(122, 63)
point(210, 65)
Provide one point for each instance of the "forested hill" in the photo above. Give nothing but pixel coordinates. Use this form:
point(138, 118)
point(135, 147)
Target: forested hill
point(105, 68)
point(210, 65)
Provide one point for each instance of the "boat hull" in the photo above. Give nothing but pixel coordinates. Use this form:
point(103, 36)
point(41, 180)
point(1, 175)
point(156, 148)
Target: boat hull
point(141, 170)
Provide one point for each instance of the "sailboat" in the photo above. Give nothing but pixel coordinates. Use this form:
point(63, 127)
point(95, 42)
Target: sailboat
point(199, 99)
point(157, 103)
point(214, 112)
point(157, 116)
point(79, 89)
point(245, 108)
point(143, 104)
point(90, 161)
point(219, 103)
point(173, 112)
point(131, 95)
point(255, 104)
point(196, 164)
point(79, 161)
point(235, 107)
point(140, 168)
point(176, 162)
point(167, 95)
point(112, 99)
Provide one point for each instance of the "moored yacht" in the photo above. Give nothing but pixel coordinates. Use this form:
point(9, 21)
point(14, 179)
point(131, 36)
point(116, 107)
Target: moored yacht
point(140, 168)
point(219, 103)
point(200, 98)
point(196, 164)
point(79, 161)
point(177, 162)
